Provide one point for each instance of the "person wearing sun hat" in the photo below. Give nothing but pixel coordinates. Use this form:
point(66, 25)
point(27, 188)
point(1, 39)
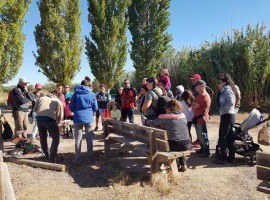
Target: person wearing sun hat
point(179, 91)
point(20, 98)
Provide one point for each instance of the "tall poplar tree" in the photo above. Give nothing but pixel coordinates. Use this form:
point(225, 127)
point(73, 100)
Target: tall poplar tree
point(107, 47)
point(58, 39)
point(148, 23)
point(12, 13)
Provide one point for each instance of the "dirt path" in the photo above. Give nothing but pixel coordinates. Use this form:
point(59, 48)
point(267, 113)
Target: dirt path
point(126, 177)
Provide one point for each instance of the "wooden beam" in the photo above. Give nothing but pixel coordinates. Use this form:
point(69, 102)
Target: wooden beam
point(264, 187)
point(165, 156)
point(180, 153)
point(40, 164)
point(8, 188)
point(153, 158)
point(263, 159)
point(263, 173)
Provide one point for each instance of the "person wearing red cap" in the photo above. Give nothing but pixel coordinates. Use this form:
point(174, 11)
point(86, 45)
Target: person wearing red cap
point(195, 78)
point(34, 97)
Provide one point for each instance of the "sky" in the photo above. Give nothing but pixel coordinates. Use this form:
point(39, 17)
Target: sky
point(192, 23)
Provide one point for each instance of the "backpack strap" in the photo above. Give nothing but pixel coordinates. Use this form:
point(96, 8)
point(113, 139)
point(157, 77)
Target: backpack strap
point(156, 92)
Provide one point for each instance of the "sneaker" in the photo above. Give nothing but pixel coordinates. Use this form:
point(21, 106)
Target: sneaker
point(196, 144)
point(96, 128)
point(219, 162)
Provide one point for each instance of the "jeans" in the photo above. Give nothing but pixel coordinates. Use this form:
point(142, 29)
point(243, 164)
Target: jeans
point(202, 136)
point(128, 112)
point(226, 136)
point(179, 146)
point(89, 127)
point(189, 124)
point(35, 129)
point(52, 127)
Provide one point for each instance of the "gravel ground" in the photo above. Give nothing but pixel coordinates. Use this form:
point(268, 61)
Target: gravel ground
point(127, 176)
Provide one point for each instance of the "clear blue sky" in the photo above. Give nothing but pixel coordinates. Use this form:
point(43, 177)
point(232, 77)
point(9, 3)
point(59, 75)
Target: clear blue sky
point(192, 23)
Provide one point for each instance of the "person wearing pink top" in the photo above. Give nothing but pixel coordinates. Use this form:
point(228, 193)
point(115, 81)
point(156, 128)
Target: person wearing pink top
point(165, 79)
point(68, 113)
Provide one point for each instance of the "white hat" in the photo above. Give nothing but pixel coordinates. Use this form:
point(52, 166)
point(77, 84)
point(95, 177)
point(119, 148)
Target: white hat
point(181, 89)
point(23, 80)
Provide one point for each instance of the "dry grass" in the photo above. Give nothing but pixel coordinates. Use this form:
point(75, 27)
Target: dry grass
point(163, 183)
point(3, 99)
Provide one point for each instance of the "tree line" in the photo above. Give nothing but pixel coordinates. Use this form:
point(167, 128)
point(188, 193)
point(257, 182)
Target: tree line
point(245, 54)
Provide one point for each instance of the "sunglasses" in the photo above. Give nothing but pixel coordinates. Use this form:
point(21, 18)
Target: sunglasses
point(125, 83)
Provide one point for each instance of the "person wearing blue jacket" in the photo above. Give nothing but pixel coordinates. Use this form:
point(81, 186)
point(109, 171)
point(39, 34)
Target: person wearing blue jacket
point(226, 104)
point(83, 104)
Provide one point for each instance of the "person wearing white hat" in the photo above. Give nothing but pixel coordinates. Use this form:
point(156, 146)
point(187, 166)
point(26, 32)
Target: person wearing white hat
point(178, 92)
point(20, 107)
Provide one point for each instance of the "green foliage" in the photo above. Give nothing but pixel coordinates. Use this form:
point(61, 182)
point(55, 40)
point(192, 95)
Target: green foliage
point(245, 55)
point(148, 23)
point(58, 39)
point(12, 13)
point(107, 47)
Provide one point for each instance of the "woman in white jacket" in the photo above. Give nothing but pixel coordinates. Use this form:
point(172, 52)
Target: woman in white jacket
point(187, 99)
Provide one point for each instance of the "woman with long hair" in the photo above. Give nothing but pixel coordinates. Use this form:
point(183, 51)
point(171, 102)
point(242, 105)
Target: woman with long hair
point(226, 104)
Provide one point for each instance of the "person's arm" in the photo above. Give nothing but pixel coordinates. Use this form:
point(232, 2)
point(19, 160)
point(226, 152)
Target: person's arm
point(20, 97)
point(59, 112)
point(118, 115)
point(167, 81)
point(94, 105)
point(147, 102)
point(195, 105)
point(155, 122)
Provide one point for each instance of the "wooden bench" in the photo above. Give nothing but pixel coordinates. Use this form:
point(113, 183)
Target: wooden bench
point(263, 171)
point(152, 142)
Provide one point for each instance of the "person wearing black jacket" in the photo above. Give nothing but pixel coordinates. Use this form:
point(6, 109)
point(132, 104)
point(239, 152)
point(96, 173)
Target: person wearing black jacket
point(118, 96)
point(20, 107)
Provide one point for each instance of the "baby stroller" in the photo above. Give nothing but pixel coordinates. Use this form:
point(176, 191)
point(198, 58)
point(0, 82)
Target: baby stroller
point(244, 144)
point(68, 127)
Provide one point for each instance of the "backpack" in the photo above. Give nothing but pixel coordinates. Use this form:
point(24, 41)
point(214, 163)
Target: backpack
point(161, 102)
point(210, 92)
point(7, 133)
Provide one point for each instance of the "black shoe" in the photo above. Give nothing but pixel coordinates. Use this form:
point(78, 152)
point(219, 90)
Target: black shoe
point(230, 160)
point(56, 159)
point(96, 128)
point(219, 161)
point(204, 154)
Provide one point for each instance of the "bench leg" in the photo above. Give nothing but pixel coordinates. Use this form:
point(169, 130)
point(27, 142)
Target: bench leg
point(107, 146)
point(173, 166)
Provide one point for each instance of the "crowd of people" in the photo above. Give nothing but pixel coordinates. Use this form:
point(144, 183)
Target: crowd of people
point(158, 106)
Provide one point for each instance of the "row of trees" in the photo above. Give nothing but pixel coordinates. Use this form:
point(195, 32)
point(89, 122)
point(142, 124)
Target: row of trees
point(245, 54)
point(60, 45)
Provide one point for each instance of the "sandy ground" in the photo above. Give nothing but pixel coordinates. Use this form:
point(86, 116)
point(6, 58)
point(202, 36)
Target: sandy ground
point(127, 176)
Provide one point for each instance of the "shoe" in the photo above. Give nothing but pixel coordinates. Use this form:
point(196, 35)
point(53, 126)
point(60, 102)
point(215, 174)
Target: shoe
point(56, 159)
point(196, 144)
point(219, 161)
point(96, 128)
point(230, 160)
point(204, 154)
point(182, 168)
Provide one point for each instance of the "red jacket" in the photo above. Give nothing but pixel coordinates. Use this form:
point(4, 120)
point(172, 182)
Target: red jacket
point(128, 98)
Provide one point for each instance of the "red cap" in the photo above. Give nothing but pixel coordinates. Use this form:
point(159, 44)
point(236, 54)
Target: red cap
point(38, 86)
point(195, 76)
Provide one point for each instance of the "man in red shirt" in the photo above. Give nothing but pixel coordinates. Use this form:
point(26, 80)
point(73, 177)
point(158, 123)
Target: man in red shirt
point(201, 116)
point(128, 102)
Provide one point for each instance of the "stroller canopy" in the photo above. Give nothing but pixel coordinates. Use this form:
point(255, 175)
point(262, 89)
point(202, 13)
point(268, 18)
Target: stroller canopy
point(252, 120)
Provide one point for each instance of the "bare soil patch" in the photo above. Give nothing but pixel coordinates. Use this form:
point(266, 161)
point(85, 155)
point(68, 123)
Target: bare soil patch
point(127, 177)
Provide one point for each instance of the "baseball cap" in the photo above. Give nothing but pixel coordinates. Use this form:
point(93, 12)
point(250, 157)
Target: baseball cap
point(23, 80)
point(38, 86)
point(181, 89)
point(195, 76)
point(201, 82)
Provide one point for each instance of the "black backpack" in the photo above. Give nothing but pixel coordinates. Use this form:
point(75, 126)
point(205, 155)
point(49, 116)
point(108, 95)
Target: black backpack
point(161, 102)
point(7, 133)
point(210, 91)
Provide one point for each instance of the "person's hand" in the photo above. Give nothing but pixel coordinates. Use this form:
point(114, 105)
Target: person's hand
point(71, 114)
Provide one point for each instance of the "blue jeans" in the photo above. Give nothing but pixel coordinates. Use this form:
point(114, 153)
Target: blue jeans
point(202, 136)
point(128, 113)
point(89, 127)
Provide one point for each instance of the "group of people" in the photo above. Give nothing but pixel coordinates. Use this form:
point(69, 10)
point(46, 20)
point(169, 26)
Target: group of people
point(155, 101)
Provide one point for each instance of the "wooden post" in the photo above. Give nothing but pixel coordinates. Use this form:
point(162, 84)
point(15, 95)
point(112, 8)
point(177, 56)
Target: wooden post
point(153, 158)
point(39, 164)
